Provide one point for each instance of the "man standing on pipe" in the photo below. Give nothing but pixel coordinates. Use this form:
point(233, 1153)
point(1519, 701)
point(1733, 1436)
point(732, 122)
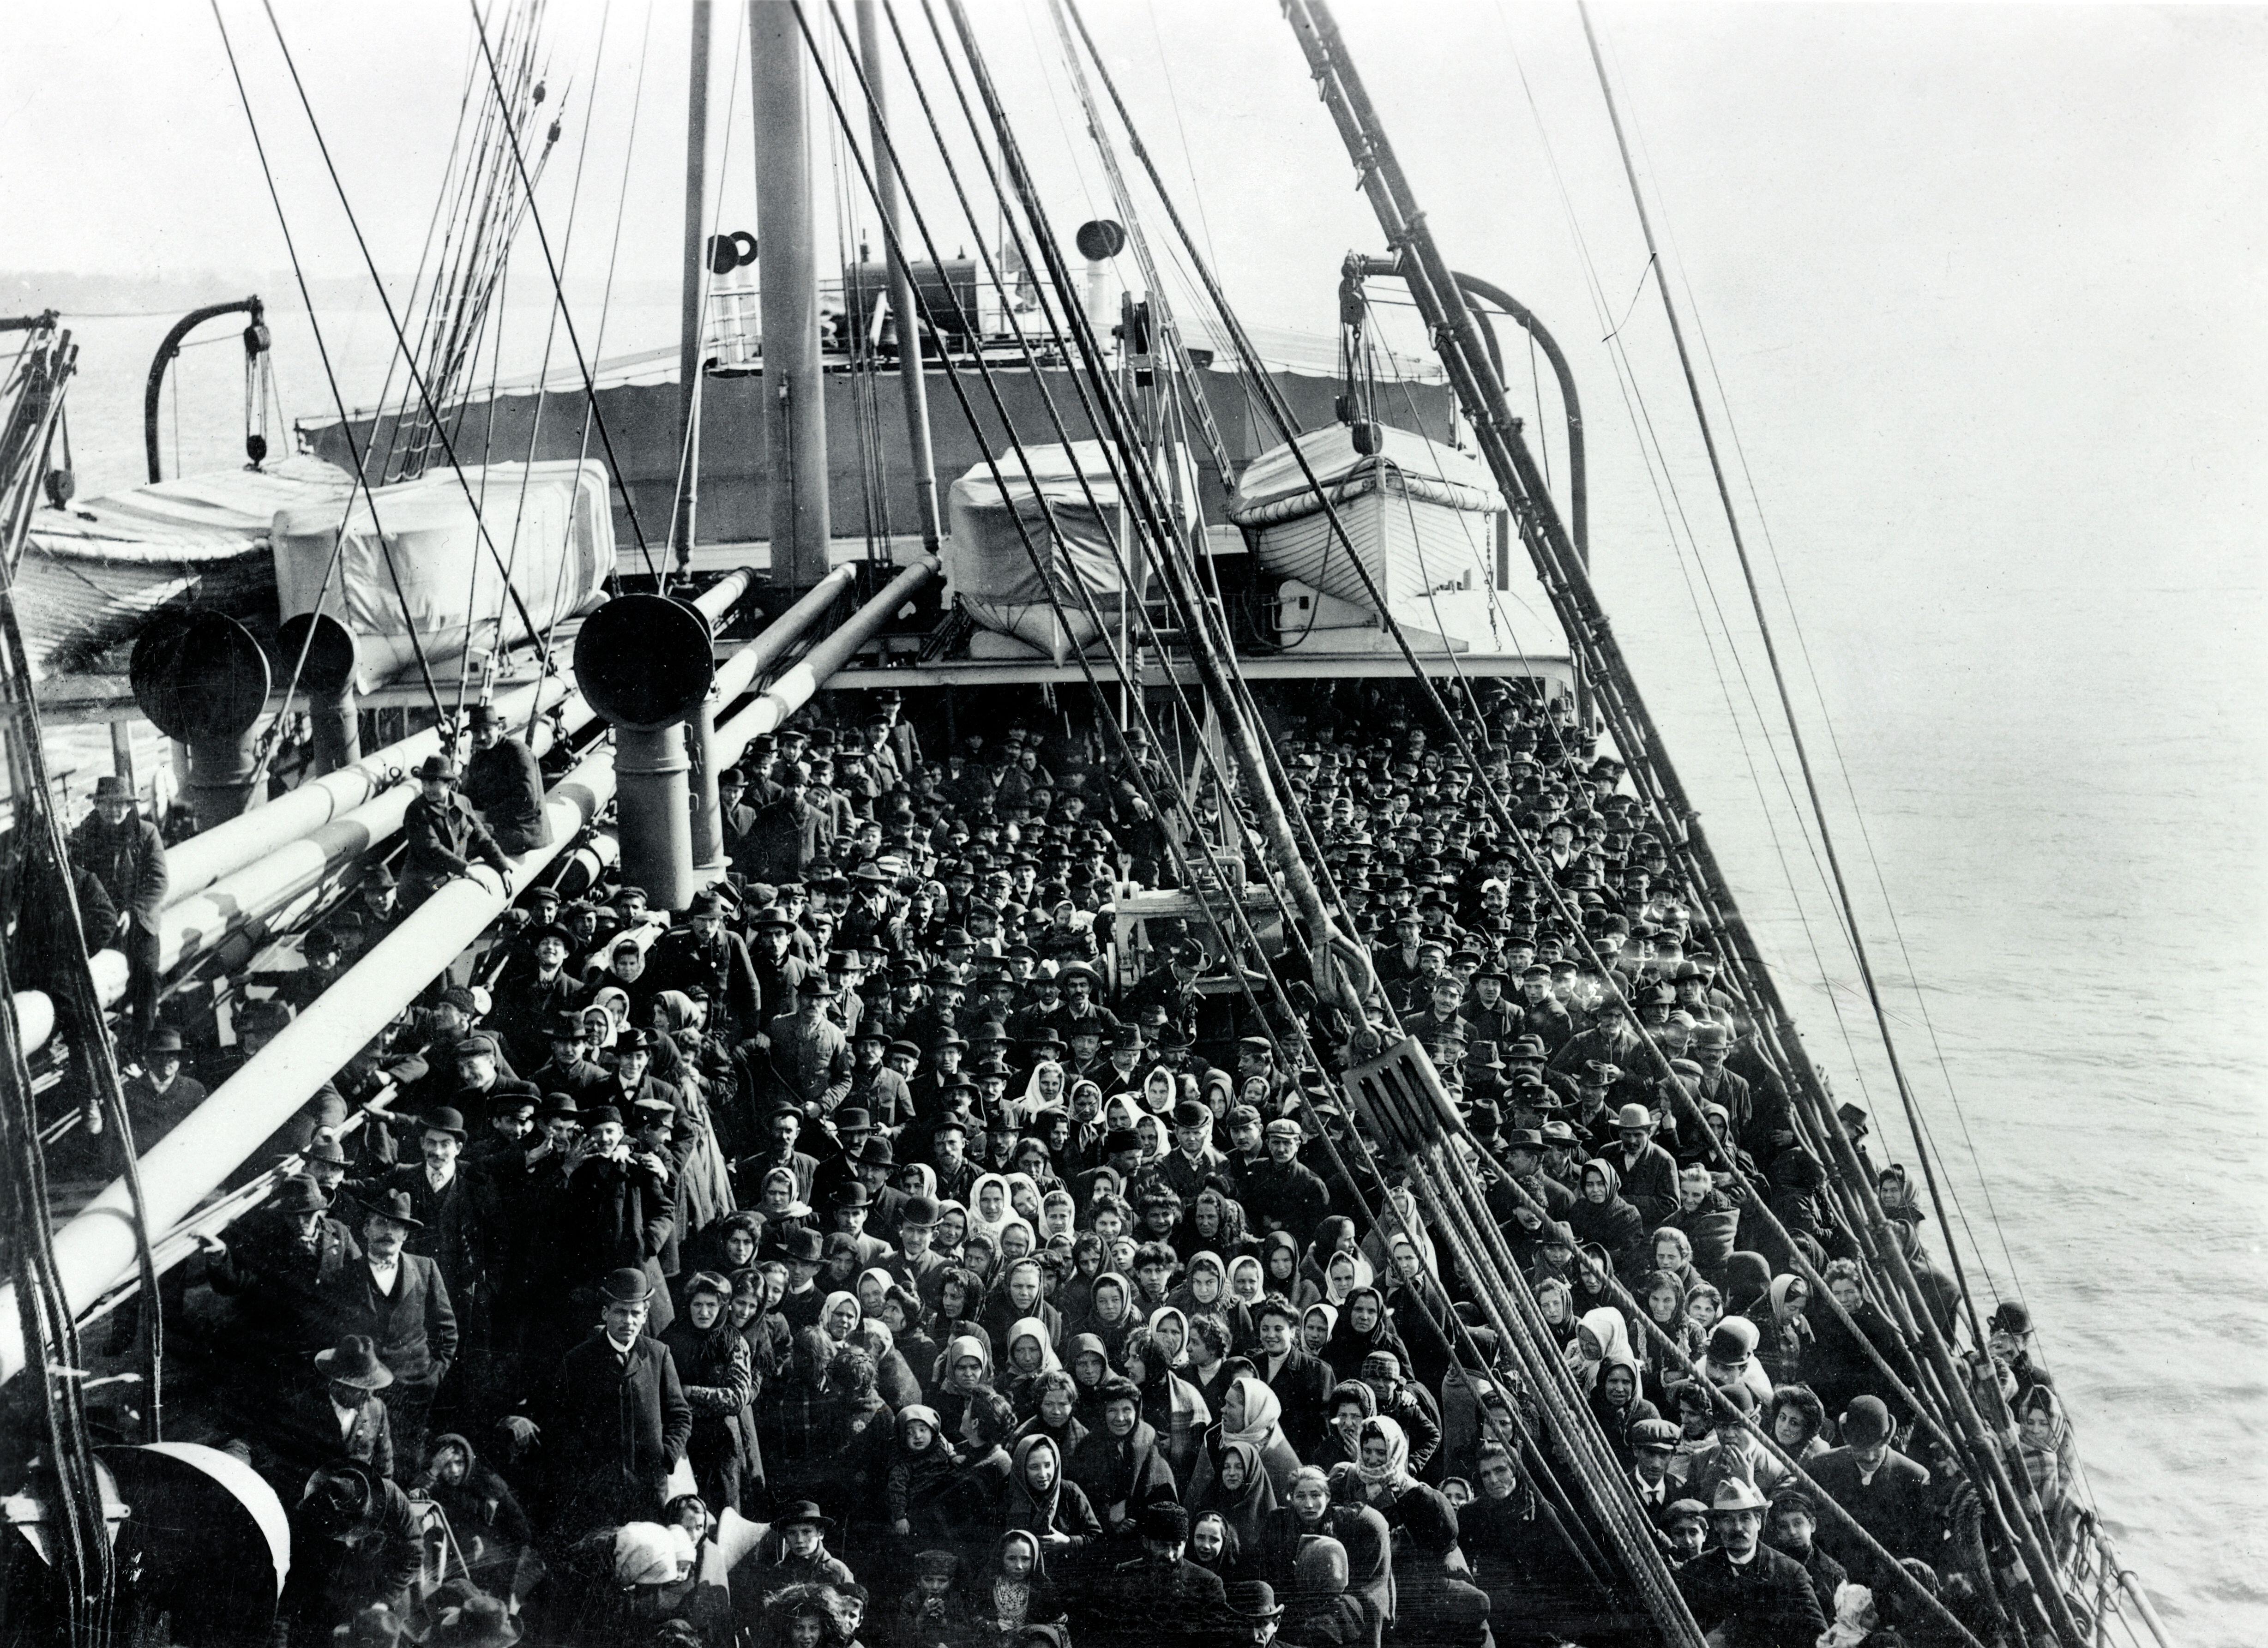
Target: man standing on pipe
point(125, 853)
point(445, 836)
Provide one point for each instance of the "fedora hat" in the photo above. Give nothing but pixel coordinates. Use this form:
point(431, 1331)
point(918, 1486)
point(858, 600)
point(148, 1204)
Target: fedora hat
point(1736, 1493)
point(299, 1194)
point(803, 1510)
point(354, 1361)
point(394, 1205)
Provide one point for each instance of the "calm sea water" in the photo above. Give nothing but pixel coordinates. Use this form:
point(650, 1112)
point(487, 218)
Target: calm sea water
point(2052, 726)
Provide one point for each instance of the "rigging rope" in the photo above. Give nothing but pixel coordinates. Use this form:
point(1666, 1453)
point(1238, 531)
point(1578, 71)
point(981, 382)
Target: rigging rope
point(323, 354)
point(1771, 653)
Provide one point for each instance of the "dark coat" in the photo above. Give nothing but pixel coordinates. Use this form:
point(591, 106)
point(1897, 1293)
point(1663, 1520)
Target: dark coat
point(1303, 1386)
point(615, 1215)
point(306, 1436)
point(1766, 1603)
point(617, 1427)
point(506, 785)
point(449, 1218)
point(1894, 1507)
point(279, 1285)
point(130, 861)
point(415, 1328)
point(444, 840)
point(1287, 1196)
point(680, 962)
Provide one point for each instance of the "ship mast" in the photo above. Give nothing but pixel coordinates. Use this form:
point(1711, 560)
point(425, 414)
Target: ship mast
point(795, 418)
point(693, 276)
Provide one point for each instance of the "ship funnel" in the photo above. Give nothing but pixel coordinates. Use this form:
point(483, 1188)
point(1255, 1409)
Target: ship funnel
point(644, 662)
point(327, 677)
point(202, 680)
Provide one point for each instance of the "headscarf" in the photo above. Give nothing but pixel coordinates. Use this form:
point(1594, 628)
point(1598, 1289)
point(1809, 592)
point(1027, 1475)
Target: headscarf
point(1607, 1326)
point(604, 1003)
point(1782, 1286)
point(1019, 1222)
point(1363, 1276)
point(1349, 1345)
point(1119, 1111)
point(960, 1350)
point(1159, 1314)
point(927, 1416)
point(1028, 1107)
point(1033, 1328)
point(1173, 1085)
point(1321, 1568)
point(827, 1309)
point(1062, 1198)
point(1020, 1496)
point(1243, 1266)
point(1025, 1181)
point(1263, 1415)
point(943, 1208)
point(978, 1222)
point(1330, 1315)
point(888, 1281)
point(1392, 1478)
point(928, 1178)
point(1156, 1142)
point(1248, 1509)
point(1369, 1557)
point(1210, 1262)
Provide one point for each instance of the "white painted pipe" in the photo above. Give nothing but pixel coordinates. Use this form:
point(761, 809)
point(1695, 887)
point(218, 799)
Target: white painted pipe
point(96, 1248)
point(213, 854)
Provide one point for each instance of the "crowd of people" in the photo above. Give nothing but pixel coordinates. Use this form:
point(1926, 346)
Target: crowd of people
point(865, 1254)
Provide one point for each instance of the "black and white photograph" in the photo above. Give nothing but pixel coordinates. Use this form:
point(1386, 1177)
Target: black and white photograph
point(1133, 824)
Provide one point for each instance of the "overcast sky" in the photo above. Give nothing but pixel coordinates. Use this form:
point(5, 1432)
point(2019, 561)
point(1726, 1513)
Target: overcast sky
point(1966, 237)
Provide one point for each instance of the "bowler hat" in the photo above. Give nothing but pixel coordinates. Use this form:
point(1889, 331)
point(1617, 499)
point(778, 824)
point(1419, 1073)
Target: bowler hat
point(1866, 1421)
point(804, 1245)
point(442, 1119)
point(1254, 1600)
point(847, 1196)
point(919, 1210)
point(628, 1285)
point(354, 1362)
point(1634, 1116)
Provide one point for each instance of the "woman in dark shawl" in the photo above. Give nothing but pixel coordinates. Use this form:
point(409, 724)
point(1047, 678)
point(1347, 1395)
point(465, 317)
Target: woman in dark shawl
point(1363, 1327)
point(1238, 1489)
point(716, 1368)
point(1120, 1465)
point(1603, 1215)
point(1045, 1503)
